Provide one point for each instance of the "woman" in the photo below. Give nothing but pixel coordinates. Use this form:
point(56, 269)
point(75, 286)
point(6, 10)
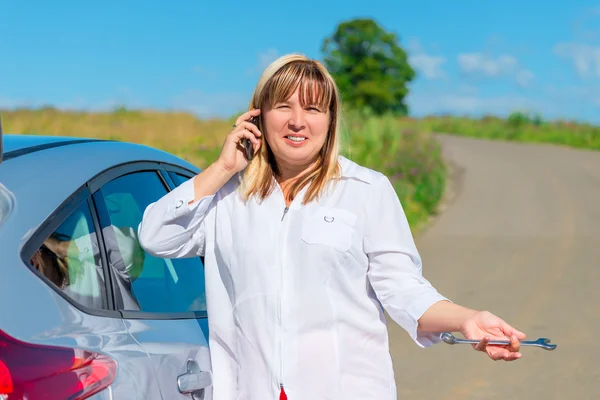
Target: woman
point(304, 250)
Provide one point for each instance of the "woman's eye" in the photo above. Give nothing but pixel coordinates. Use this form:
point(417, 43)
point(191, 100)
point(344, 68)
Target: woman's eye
point(313, 108)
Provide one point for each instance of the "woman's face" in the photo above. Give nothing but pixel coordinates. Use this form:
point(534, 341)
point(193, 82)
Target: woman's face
point(295, 133)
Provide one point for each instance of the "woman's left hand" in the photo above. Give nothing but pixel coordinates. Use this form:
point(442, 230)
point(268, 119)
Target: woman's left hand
point(485, 326)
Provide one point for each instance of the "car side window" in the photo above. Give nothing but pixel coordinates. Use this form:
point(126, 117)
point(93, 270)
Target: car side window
point(178, 178)
point(70, 259)
point(144, 282)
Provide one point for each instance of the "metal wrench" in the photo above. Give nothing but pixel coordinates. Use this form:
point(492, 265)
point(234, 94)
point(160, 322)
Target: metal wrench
point(541, 342)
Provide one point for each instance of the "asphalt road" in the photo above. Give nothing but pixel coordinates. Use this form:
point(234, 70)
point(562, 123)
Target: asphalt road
point(519, 236)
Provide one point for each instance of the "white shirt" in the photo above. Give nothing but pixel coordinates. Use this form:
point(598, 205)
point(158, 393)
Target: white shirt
point(294, 296)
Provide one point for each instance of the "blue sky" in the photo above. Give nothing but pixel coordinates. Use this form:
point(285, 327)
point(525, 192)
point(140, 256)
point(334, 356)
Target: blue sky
point(473, 57)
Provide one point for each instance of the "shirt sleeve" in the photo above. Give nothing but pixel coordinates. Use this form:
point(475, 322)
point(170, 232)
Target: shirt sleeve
point(395, 270)
point(172, 227)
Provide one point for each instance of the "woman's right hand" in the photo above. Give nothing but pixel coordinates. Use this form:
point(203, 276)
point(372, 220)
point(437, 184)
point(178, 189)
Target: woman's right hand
point(232, 157)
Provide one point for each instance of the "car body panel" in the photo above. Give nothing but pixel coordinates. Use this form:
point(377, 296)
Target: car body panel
point(46, 318)
point(150, 354)
point(170, 344)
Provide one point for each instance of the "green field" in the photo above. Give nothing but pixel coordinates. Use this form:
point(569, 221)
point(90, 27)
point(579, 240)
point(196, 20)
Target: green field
point(402, 148)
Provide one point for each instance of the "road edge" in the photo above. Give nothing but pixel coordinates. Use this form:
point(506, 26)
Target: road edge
point(455, 174)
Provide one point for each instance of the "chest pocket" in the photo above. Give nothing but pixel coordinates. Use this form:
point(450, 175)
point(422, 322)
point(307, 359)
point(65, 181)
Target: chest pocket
point(332, 227)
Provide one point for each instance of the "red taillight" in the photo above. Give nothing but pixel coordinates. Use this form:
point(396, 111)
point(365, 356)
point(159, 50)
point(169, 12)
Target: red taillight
point(51, 373)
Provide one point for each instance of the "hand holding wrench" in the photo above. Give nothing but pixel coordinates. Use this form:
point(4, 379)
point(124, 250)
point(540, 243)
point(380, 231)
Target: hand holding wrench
point(541, 342)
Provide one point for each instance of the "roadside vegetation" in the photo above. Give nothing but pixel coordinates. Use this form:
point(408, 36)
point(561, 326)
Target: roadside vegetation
point(410, 158)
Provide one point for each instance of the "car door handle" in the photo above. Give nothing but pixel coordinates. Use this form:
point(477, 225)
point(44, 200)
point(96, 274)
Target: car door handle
point(192, 382)
point(194, 379)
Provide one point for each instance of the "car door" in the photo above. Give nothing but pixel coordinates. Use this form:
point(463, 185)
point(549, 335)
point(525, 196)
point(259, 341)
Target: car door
point(162, 301)
point(65, 253)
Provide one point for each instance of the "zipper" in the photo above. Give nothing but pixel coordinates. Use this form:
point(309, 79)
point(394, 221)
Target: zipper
point(284, 212)
point(282, 394)
point(282, 246)
point(279, 307)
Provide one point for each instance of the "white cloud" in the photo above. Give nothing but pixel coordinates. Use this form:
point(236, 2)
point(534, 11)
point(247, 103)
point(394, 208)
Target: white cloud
point(220, 105)
point(576, 95)
point(122, 96)
point(479, 64)
point(465, 89)
point(524, 77)
point(427, 65)
point(552, 102)
point(267, 57)
point(210, 105)
point(456, 103)
point(76, 103)
point(413, 45)
point(6, 103)
point(585, 58)
point(263, 60)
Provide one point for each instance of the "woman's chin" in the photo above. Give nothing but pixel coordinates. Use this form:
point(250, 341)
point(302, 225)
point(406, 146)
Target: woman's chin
point(298, 157)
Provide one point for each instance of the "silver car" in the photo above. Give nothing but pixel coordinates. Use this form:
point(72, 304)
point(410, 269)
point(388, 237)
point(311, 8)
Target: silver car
point(85, 312)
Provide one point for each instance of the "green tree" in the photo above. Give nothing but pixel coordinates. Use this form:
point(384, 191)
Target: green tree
point(369, 66)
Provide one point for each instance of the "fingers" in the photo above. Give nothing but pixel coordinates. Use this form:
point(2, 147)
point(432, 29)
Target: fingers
point(246, 116)
point(499, 353)
point(249, 126)
point(482, 345)
point(245, 133)
point(510, 331)
point(506, 353)
point(515, 345)
point(245, 130)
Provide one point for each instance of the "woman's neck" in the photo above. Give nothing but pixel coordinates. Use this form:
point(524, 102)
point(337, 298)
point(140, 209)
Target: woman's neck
point(285, 184)
point(288, 174)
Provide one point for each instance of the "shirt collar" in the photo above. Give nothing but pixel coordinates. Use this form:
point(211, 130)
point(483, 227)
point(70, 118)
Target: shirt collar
point(351, 170)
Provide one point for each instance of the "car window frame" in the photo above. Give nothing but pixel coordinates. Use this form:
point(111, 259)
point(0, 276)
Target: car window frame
point(48, 226)
point(161, 169)
point(86, 193)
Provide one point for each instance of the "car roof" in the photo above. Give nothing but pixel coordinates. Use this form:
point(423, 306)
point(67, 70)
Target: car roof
point(14, 144)
point(29, 155)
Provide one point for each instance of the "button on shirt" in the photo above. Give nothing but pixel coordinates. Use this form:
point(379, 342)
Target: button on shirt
point(296, 296)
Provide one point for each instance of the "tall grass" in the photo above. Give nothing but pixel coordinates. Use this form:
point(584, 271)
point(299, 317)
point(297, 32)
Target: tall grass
point(180, 133)
point(519, 127)
point(409, 157)
point(401, 148)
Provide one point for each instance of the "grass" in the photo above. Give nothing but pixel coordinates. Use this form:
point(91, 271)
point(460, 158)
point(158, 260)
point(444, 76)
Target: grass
point(180, 133)
point(410, 158)
point(519, 127)
point(402, 148)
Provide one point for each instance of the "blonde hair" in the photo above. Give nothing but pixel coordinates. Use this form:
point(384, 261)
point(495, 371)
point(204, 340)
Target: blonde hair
point(316, 87)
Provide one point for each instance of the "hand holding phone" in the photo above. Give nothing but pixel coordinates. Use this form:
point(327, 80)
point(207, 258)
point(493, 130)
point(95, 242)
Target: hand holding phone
point(247, 143)
point(237, 152)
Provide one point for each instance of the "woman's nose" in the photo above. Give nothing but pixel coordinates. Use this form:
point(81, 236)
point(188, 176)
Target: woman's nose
point(297, 119)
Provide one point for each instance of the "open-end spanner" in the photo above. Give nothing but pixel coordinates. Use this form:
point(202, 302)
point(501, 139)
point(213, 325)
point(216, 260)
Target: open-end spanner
point(544, 343)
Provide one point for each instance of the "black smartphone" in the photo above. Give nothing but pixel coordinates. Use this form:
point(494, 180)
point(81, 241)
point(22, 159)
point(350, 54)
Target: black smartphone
point(248, 143)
